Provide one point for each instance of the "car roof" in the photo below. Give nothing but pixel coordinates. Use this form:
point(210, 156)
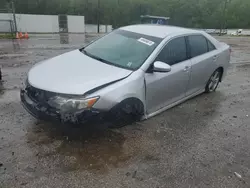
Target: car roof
point(160, 31)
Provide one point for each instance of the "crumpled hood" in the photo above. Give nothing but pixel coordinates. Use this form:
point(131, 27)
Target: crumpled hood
point(73, 73)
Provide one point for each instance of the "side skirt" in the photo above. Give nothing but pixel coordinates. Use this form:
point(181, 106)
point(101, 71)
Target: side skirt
point(147, 116)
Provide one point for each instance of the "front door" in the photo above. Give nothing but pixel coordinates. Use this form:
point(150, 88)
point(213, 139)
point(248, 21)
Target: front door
point(163, 89)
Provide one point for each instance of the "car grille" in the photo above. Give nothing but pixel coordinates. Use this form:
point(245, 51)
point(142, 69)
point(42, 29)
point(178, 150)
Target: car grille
point(38, 95)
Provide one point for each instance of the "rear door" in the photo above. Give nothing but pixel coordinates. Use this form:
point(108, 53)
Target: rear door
point(203, 56)
point(163, 89)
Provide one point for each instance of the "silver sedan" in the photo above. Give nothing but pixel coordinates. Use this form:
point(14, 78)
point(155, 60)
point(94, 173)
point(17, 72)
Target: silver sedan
point(133, 73)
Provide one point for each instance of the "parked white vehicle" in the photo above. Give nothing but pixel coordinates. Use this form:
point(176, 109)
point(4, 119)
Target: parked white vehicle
point(133, 73)
point(238, 32)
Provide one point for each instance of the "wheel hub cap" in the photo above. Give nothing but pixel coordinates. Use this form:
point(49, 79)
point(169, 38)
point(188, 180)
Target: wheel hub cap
point(214, 81)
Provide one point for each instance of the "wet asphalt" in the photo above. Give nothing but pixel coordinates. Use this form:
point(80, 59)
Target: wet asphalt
point(203, 142)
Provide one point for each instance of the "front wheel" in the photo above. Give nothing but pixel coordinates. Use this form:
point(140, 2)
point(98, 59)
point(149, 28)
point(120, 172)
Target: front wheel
point(126, 113)
point(213, 81)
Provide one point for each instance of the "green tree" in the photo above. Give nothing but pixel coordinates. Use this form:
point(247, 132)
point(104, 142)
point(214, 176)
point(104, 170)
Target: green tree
point(191, 13)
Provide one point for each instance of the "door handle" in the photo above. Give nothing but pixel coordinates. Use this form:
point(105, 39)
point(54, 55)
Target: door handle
point(215, 58)
point(186, 68)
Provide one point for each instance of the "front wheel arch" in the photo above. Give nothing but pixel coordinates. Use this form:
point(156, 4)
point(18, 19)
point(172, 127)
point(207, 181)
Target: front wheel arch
point(126, 112)
point(131, 102)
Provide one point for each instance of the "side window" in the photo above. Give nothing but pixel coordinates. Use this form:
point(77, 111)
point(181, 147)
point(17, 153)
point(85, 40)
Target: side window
point(174, 52)
point(198, 45)
point(211, 47)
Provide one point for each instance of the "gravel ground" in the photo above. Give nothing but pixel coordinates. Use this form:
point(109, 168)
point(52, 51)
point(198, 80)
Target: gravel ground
point(203, 142)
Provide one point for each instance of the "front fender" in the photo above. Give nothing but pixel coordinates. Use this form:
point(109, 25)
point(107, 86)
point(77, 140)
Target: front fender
point(131, 87)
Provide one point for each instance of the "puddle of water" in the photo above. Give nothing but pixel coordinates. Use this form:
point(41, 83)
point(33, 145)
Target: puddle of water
point(79, 148)
point(10, 46)
point(1, 92)
point(246, 65)
point(96, 152)
point(1, 88)
point(16, 45)
point(64, 38)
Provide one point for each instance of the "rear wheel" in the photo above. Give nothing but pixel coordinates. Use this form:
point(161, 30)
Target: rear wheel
point(213, 81)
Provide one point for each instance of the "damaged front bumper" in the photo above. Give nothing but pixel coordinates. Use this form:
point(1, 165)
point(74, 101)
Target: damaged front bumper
point(41, 110)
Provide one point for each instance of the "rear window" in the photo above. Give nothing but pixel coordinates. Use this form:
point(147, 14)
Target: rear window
point(211, 47)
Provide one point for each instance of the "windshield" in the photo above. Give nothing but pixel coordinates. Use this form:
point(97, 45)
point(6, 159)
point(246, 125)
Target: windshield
point(123, 49)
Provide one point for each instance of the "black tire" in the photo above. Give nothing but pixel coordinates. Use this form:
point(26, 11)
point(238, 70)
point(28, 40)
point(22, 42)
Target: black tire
point(125, 113)
point(213, 81)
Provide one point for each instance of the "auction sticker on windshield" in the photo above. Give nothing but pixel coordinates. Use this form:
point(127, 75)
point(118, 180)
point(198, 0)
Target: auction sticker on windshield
point(146, 41)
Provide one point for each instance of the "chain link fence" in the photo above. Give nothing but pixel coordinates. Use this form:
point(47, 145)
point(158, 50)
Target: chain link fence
point(7, 26)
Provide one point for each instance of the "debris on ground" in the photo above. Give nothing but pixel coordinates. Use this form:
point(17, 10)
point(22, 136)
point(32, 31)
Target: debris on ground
point(237, 175)
point(24, 183)
point(134, 174)
point(29, 169)
point(128, 174)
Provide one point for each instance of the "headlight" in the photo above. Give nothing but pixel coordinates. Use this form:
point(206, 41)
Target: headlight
point(69, 104)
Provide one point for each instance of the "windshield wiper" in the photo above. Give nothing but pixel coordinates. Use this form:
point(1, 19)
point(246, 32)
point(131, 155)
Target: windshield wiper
point(95, 57)
point(103, 60)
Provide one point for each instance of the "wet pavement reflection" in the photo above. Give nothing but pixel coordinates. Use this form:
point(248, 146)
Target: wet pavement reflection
point(97, 149)
point(78, 147)
point(1, 88)
point(1, 91)
point(64, 38)
point(16, 45)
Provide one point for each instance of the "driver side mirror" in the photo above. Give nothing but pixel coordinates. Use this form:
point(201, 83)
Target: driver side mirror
point(161, 67)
